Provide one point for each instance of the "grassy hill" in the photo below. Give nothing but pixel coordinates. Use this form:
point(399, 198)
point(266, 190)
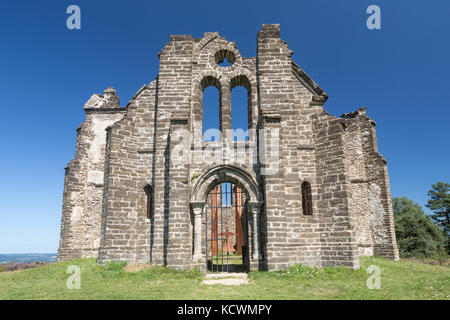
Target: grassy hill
point(399, 280)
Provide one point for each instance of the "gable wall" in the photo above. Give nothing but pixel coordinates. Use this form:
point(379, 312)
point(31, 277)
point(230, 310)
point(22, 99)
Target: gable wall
point(337, 156)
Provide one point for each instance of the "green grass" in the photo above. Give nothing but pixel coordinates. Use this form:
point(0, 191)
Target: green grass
point(399, 280)
point(232, 259)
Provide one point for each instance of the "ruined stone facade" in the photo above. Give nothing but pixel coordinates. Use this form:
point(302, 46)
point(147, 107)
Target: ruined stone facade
point(123, 152)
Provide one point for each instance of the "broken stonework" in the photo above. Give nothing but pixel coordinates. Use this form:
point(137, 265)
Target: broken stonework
point(108, 99)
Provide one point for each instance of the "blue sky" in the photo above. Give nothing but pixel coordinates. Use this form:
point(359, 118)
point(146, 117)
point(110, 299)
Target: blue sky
point(48, 72)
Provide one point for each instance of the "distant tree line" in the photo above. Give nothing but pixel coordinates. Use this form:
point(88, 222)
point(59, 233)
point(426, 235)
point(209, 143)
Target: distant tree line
point(419, 234)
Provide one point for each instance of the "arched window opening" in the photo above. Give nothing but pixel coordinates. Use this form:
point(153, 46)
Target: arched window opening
point(239, 113)
point(306, 198)
point(149, 197)
point(211, 114)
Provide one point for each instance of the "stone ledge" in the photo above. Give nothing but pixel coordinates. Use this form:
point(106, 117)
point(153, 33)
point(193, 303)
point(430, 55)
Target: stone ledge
point(146, 151)
point(271, 115)
point(179, 118)
point(362, 180)
point(306, 147)
point(105, 110)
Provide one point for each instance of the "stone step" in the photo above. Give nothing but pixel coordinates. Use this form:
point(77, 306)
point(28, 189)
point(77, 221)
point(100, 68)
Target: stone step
point(226, 275)
point(226, 279)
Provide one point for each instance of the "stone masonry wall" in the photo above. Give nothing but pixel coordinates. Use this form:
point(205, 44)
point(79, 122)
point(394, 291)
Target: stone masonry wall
point(371, 200)
point(337, 225)
point(126, 231)
point(121, 152)
point(275, 95)
point(83, 184)
point(359, 202)
point(380, 200)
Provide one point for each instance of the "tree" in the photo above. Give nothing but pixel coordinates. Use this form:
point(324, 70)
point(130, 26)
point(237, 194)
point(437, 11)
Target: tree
point(417, 235)
point(440, 205)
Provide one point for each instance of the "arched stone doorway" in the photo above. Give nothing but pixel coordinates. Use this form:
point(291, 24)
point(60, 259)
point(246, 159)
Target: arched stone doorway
point(215, 240)
point(225, 225)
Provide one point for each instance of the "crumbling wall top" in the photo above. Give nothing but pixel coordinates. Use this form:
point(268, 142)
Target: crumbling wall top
point(108, 100)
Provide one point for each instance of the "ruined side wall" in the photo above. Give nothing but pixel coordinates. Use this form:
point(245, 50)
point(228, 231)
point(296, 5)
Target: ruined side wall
point(83, 183)
point(300, 165)
point(303, 234)
point(356, 171)
point(380, 201)
point(371, 200)
point(337, 226)
point(127, 234)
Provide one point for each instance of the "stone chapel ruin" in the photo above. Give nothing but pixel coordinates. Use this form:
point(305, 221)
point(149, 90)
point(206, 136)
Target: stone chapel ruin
point(144, 186)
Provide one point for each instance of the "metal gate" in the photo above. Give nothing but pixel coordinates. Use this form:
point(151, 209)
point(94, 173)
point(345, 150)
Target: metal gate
point(226, 229)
